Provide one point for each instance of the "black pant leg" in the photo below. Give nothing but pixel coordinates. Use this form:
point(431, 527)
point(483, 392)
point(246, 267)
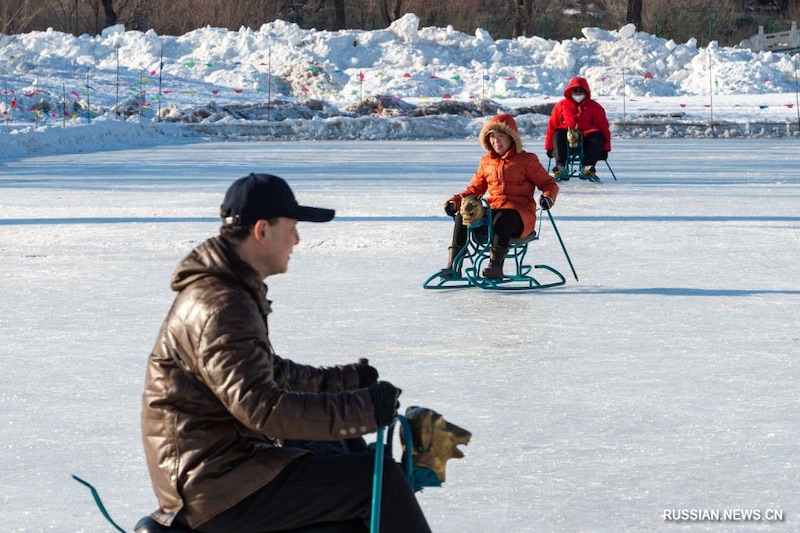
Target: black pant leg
point(459, 232)
point(507, 224)
point(592, 148)
point(560, 146)
point(325, 489)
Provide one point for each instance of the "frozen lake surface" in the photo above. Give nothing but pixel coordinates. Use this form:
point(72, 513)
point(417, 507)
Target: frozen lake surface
point(665, 379)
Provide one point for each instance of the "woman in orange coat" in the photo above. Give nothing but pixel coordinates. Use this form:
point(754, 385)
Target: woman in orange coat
point(508, 176)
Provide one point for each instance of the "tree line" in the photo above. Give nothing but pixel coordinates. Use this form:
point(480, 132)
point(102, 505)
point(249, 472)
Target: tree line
point(726, 21)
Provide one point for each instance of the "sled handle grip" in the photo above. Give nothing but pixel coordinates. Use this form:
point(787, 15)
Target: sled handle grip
point(377, 483)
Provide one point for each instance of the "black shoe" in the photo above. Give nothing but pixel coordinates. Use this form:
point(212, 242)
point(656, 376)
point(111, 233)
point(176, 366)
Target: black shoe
point(149, 525)
point(560, 172)
point(589, 173)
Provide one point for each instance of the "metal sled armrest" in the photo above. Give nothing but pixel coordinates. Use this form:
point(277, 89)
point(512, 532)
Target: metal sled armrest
point(377, 483)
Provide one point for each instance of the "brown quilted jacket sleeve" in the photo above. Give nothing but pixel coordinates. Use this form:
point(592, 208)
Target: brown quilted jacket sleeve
point(274, 396)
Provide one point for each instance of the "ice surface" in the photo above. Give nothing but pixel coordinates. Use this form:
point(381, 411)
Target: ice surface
point(666, 378)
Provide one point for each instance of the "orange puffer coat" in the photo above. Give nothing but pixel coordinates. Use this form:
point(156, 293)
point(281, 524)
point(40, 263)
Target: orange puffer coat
point(509, 181)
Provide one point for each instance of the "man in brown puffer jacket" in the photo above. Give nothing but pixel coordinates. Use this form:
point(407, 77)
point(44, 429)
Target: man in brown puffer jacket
point(218, 402)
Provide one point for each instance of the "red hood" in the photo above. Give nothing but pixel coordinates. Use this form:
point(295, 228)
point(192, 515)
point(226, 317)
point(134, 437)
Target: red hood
point(577, 81)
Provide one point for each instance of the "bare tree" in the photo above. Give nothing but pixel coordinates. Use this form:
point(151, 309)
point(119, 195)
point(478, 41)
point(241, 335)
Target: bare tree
point(520, 20)
point(721, 20)
point(684, 19)
point(339, 18)
point(793, 10)
point(111, 15)
point(390, 10)
point(69, 10)
point(16, 15)
point(634, 15)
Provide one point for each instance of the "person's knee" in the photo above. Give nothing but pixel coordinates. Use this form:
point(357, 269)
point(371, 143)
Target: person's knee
point(598, 137)
point(391, 468)
point(507, 220)
point(394, 475)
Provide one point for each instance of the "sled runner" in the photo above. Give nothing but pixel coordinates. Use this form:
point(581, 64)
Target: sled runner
point(572, 166)
point(474, 256)
point(428, 441)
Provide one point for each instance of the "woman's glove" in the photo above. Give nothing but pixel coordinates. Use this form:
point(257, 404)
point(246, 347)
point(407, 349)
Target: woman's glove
point(384, 399)
point(546, 202)
point(452, 205)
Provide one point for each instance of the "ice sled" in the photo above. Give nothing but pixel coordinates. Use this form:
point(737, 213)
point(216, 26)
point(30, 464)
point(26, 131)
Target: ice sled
point(427, 441)
point(572, 167)
point(474, 257)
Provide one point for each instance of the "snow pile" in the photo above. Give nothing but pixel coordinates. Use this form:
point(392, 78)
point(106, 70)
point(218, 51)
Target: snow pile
point(282, 72)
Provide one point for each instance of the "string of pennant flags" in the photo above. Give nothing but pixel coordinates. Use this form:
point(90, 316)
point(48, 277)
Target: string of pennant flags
point(12, 103)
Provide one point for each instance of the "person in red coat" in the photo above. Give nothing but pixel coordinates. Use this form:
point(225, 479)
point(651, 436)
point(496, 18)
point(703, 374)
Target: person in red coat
point(577, 110)
point(509, 176)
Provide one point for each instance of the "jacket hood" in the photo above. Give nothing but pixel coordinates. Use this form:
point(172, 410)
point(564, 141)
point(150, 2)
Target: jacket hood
point(504, 124)
point(214, 258)
point(577, 81)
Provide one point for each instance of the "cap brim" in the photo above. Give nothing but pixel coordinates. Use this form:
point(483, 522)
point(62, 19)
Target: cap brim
point(313, 214)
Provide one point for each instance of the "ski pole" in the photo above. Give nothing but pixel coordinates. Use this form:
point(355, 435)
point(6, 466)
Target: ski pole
point(553, 222)
point(377, 483)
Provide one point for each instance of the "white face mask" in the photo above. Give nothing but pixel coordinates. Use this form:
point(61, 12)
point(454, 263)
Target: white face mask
point(578, 97)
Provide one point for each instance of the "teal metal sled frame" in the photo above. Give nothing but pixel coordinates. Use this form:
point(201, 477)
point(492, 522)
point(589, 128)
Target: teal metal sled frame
point(572, 167)
point(471, 259)
point(418, 476)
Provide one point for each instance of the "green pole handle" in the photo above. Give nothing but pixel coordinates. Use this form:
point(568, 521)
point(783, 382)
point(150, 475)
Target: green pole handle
point(377, 483)
point(553, 222)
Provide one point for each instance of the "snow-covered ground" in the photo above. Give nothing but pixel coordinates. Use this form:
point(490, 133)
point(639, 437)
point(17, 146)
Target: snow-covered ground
point(665, 379)
point(283, 82)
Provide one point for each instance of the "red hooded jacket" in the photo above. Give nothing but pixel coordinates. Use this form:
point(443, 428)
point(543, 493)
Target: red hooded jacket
point(588, 116)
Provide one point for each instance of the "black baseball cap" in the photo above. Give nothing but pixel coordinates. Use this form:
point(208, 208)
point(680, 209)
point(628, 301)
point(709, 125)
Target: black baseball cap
point(263, 196)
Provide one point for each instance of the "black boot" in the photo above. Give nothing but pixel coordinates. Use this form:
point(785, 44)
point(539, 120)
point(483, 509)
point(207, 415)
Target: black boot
point(497, 257)
point(452, 252)
point(148, 525)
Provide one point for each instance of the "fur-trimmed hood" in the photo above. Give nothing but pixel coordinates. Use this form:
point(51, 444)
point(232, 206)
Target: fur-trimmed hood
point(504, 124)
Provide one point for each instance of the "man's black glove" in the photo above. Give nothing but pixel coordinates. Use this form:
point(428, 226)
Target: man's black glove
point(550, 154)
point(546, 202)
point(384, 399)
point(367, 375)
